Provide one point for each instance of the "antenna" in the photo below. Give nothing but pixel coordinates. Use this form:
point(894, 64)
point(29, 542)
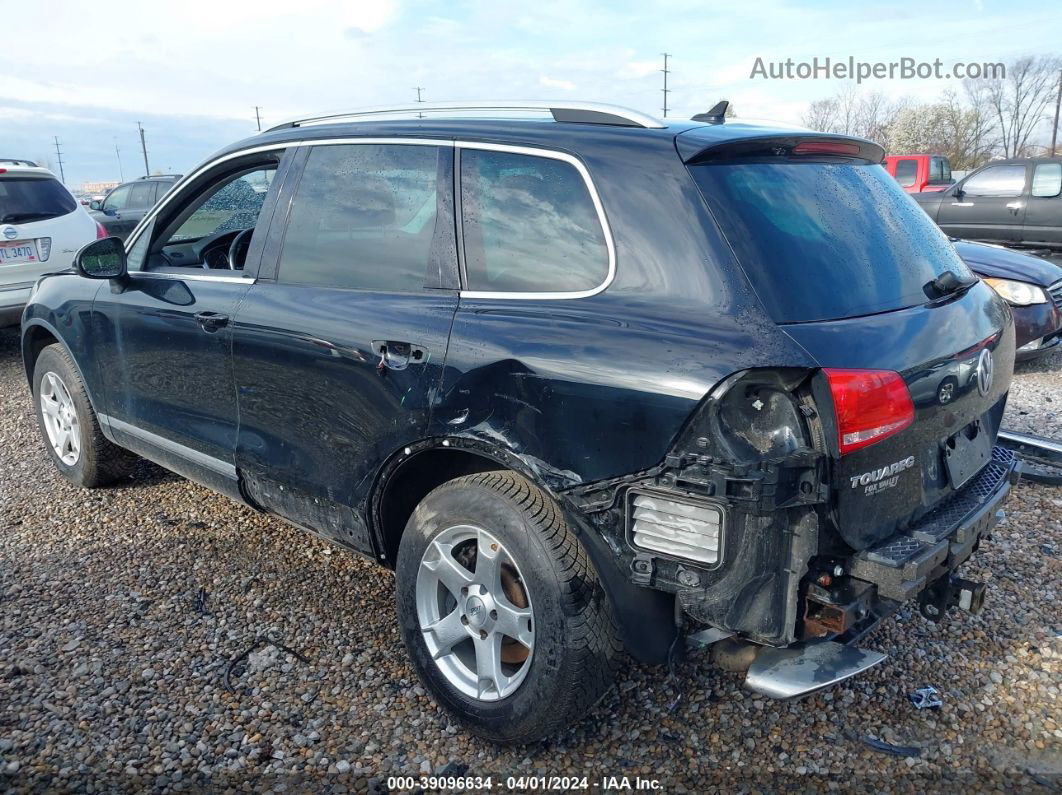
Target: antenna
point(143, 148)
point(59, 154)
point(666, 90)
point(258, 118)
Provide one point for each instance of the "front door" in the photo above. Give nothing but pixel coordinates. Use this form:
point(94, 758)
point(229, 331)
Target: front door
point(987, 205)
point(338, 352)
point(165, 354)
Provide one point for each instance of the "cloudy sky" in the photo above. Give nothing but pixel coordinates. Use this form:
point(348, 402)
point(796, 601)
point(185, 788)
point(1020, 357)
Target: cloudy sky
point(192, 71)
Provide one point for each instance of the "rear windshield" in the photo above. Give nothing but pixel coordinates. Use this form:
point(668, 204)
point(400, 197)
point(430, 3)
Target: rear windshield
point(26, 199)
point(821, 241)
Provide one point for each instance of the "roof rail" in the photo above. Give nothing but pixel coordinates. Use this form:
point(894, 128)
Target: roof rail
point(579, 112)
point(18, 161)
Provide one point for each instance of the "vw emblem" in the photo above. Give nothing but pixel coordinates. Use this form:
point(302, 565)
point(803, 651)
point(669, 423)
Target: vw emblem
point(985, 371)
point(10, 232)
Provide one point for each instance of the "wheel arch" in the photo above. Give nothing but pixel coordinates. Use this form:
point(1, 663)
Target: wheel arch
point(645, 616)
point(37, 335)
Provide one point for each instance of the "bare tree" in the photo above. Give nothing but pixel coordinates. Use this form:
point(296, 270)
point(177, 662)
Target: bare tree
point(821, 115)
point(1019, 101)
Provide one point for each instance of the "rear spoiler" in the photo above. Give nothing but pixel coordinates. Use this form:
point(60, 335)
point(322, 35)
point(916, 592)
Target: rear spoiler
point(694, 148)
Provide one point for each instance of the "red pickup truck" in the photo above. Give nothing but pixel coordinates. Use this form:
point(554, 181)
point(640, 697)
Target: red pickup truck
point(920, 173)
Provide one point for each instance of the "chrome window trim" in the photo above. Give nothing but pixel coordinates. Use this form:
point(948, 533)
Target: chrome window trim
point(193, 277)
point(606, 230)
point(533, 151)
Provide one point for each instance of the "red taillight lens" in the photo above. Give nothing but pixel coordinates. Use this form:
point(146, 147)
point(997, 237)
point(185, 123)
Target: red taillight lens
point(100, 231)
point(871, 405)
point(826, 148)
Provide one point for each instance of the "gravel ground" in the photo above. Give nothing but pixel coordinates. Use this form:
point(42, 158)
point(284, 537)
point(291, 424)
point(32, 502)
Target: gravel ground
point(120, 609)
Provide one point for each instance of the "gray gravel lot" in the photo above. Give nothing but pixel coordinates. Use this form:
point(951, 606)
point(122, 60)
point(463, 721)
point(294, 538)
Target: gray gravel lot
point(120, 609)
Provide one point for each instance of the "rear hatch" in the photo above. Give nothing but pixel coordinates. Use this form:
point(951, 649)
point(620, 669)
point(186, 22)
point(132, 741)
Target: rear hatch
point(850, 267)
point(29, 199)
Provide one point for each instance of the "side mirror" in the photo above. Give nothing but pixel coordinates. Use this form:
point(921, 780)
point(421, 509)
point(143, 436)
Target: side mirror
point(95, 204)
point(102, 259)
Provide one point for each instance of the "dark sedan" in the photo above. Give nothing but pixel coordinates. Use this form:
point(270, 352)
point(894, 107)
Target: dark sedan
point(1031, 285)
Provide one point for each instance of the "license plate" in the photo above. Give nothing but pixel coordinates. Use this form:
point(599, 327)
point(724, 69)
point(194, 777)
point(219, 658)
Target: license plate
point(17, 251)
point(964, 457)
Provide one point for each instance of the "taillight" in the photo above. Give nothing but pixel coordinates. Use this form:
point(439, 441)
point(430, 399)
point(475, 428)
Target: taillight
point(100, 231)
point(871, 405)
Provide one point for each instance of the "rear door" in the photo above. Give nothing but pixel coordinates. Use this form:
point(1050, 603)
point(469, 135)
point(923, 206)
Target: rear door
point(987, 205)
point(340, 345)
point(1043, 216)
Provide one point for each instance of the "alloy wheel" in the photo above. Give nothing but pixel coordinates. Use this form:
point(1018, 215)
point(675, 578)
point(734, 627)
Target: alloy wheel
point(60, 419)
point(475, 613)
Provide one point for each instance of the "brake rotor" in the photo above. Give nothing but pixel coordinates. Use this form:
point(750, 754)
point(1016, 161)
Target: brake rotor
point(513, 651)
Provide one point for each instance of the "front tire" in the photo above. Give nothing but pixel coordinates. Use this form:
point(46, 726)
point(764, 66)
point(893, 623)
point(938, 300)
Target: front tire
point(501, 610)
point(69, 427)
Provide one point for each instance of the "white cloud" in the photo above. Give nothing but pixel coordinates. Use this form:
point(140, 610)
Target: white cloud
point(550, 82)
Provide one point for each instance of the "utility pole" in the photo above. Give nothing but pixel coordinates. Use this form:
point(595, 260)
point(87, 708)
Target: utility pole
point(143, 148)
point(118, 154)
point(666, 71)
point(418, 89)
point(59, 154)
point(258, 118)
point(1058, 101)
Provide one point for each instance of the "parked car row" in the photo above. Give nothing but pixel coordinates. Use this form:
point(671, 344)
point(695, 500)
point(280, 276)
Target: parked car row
point(571, 379)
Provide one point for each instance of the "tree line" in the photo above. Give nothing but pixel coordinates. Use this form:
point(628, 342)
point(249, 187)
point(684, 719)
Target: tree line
point(1001, 117)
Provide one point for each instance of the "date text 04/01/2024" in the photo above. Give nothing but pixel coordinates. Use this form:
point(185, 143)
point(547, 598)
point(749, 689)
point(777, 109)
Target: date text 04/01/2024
point(523, 783)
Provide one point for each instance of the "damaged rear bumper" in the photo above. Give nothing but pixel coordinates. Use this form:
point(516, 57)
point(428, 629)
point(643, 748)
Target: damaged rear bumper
point(921, 562)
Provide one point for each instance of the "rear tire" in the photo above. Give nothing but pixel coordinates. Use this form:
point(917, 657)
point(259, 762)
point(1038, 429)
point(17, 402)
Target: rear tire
point(568, 646)
point(69, 426)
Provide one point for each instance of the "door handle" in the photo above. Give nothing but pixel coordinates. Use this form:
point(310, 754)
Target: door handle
point(1015, 205)
point(396, 355)
point(211, 321)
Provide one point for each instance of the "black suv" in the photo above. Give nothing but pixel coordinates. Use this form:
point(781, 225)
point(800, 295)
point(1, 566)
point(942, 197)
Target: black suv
point(581, 381)
point(126, 205)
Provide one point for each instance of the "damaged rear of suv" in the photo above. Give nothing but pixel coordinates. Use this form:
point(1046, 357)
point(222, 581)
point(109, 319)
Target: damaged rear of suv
point(580, 382)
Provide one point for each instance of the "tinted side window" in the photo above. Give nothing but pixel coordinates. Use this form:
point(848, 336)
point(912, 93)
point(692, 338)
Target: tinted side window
point(142, 195)
point(906, 172)
point(117, 199)
point(529, 225)
point(999, 181)
point(939, 171)
point(363, 216)
point(1047, 179)
point(25, 199)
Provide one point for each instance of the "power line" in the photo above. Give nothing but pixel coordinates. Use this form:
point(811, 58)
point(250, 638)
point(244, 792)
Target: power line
point(118, 154)
point(666, 72)
point(143, 148)
point(258, 118)
point(59, 154)
point(1058, 102)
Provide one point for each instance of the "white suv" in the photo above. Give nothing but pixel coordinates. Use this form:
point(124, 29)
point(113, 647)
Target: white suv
point(41, 228)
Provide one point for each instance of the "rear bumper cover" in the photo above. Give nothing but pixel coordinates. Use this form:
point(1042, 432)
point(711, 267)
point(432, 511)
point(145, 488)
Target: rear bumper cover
point(905, 564)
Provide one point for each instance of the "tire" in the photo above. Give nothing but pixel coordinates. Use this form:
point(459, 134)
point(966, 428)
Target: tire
point(88, 458)
point(574, 643)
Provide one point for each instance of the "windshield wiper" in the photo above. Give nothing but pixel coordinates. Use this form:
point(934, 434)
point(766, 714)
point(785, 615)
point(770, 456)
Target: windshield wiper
point(16, 218)
point(946, 285)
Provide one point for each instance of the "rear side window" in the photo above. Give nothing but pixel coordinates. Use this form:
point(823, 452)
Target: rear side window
point(363, 217)
point(939, 171)
point(1000, 181)
point(906, 172)
point(142, 195)
point(27, 199)
point(1047, 180)
point(822, 241)
point(530, 225)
